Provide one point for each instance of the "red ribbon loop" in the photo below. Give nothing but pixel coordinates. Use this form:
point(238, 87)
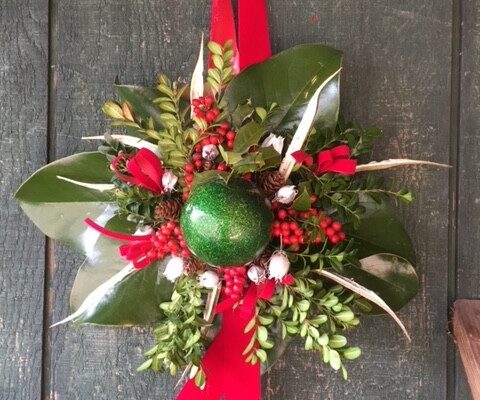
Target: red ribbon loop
point(336, 160)
point(253, 36)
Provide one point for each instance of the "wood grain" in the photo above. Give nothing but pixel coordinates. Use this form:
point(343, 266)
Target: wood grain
point(23, 124)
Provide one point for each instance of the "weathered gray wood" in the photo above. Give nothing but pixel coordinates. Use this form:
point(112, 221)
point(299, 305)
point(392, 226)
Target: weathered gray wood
point(397, 69)
point(23, 122)
point(468, 270)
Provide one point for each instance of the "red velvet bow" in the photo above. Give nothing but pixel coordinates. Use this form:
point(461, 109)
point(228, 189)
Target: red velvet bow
point(143, 169)
point(336, 160)
point(229, 376)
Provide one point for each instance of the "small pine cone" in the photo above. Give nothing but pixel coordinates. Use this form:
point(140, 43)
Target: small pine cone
point(193, 265)
point(269, 182)
point(168, 209)
point(208, 165)
point(264, 259)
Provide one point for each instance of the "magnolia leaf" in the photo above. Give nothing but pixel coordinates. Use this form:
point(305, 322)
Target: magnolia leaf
point(303, 129)
point(101, 187)
point(58, 207)
point(131, 302)
point(196, 85)
point(365, 293)
point(392, 277)
point(380, 232)
point(395, 162)
point(128, 140)
point(98, 294)
point(290, 79)
point(247, 136)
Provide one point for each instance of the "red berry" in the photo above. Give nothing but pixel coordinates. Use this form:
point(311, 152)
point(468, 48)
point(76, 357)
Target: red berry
point(294, 226)
point(230, 144)
point(291, 212)
point(209, 100)
point(222, 167)
point(214, 140)
point(329, 232)
point(188, 167)
point(189, 178)
point(198, 164)
point(334, 239)
point(231, 135)
point(341, 236)
point(337, 226)
point(303, 215)
point(313, 198)
point(195, 102)
point(282, 214)
point(198, 148)
point(225, 125)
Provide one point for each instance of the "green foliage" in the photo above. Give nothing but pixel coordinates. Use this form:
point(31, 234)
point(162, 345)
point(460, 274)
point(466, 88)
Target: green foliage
point(179, 339)
point(222, 71)
point(360, 140)
point(312, 310)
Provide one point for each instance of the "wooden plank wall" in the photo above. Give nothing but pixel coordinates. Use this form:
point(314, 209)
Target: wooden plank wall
point(410, 68)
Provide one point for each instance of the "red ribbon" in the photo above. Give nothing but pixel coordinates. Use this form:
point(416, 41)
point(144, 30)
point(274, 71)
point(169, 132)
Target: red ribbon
point(228, 375)
point(336, 160)
point(253, 37)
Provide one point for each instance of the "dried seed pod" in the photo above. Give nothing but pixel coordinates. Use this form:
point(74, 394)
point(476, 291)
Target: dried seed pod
point(270, 182)
point(168, 209)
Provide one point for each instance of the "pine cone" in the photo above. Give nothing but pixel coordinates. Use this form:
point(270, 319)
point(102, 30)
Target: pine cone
point(193, 265)
point(269, 182)
point(208, 165)
point(168, 209)
point(264, 259)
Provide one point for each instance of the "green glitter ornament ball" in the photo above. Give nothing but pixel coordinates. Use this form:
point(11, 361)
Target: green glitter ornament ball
point(226, 224)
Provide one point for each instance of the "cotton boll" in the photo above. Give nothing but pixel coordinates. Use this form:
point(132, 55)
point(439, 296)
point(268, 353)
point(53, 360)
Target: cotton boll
point(169, 180)
point(208, 279)
point(279, 265)
point(286, 194)
point(210, 152)
point(174, 269)
point(256, 274)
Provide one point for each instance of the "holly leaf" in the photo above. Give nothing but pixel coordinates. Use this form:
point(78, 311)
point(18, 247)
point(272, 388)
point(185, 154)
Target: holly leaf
point(392, 277)
point(141, 100)
point(247, 136)
point(302, 202)
point(270, 157)
point(58, 207)
point(290, 79)
point(380, 232)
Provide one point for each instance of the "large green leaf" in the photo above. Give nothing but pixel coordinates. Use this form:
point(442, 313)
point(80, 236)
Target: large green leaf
point(58, 207)
point(289, 79)
point(392, 277)
point(380, 232)
point(141, 100)
point(133, 301)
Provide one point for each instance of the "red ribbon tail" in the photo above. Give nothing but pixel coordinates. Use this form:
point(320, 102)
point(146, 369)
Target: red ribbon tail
point(228, 376)
point(253, 34)
point(116, 235)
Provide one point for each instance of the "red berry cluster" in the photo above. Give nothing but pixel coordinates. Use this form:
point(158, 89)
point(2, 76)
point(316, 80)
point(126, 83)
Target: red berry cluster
point(203, 108)
point(196, 166)
point(287, 226)
point(168, 239)
point(235, 280)
point(332, 230)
